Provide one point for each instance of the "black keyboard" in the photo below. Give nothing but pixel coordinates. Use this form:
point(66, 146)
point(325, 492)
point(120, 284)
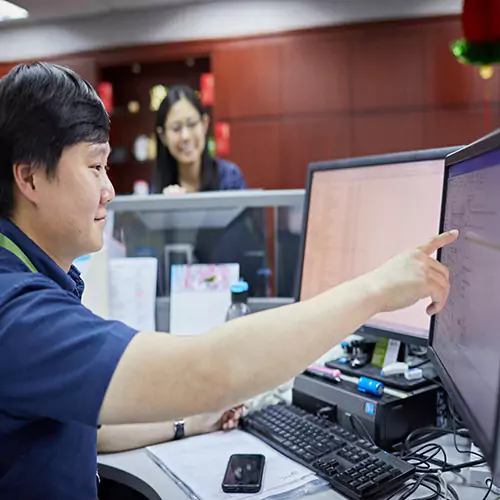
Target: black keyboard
point(352, 466)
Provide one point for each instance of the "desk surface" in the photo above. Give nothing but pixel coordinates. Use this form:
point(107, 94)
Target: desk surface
point(138, 464)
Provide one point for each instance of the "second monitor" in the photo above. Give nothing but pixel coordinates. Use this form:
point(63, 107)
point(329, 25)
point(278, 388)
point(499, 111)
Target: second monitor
point(361, 212)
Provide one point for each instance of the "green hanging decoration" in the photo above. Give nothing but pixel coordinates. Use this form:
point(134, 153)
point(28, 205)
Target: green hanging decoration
point(480, 45)
point(477, 54)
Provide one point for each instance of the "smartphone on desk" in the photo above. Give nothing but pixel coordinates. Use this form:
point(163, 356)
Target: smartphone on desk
point(244, 474)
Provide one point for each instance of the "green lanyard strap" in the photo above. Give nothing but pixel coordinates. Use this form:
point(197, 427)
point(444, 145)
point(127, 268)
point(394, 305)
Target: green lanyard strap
point(9, 245)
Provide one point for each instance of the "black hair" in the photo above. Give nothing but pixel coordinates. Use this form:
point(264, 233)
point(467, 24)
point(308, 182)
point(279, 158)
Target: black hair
point(44, 108)
point(167, 170)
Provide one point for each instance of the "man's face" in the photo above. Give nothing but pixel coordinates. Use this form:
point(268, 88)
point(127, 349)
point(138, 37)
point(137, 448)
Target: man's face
point(72, 205)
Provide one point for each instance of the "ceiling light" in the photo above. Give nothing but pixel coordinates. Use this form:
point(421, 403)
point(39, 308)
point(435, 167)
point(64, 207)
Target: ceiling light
point(9, 11)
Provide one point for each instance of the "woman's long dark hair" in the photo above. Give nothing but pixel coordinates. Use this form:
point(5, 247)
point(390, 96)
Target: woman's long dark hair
point(167, 170)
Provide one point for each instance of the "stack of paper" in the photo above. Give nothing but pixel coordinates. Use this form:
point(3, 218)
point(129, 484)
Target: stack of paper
point(199, 463)
point(132, 292)
point(200, 295)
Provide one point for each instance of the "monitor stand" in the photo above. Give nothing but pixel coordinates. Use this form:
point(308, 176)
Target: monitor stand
point(476, 477)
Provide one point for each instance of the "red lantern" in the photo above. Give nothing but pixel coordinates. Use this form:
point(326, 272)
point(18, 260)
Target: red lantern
point(480, 44)
point(207, 88)
point(222, 139)
point(105, 91)
point(481, 20)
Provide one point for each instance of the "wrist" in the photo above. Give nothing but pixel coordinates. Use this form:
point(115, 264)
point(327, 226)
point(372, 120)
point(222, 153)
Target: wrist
point(372, 292)
point(192, 426)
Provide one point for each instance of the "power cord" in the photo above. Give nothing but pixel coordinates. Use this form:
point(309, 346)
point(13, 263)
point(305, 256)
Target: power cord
point(433, 482)
point(355, 419)
point(489, 480)
point(429, 468)
point(425, 455)
point(467, 452)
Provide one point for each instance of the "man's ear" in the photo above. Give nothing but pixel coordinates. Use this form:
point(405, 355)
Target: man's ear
point(25, 180)
point(206, 123)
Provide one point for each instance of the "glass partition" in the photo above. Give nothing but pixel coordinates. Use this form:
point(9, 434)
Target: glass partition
point(259, 230)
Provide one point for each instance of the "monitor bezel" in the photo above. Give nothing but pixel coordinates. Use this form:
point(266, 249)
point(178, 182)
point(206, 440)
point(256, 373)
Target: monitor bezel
point(491, 450)
point(366, 162)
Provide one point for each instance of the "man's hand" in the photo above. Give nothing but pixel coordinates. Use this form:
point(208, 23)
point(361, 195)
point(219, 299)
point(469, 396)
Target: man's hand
point(414, 275)
point(212, 422)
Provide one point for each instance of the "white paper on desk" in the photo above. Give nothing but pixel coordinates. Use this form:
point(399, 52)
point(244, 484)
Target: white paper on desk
point(132, 292)
point(199, 463)
point(200, 295)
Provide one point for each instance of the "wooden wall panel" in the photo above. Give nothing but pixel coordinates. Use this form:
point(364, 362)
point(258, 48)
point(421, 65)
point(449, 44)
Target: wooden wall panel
point(456, 127)
point(305, 140)
point(255, 147)
point(447, 81)
point(387, 68)
point(388, 132)
point(84, 66)
point(248, 81)
point(5, 68)
point(295, 97)
point(316, 74)
point(124, 175)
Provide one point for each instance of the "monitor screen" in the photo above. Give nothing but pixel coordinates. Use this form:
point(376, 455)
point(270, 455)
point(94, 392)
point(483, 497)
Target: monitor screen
point(464, 335)
point(360, 216)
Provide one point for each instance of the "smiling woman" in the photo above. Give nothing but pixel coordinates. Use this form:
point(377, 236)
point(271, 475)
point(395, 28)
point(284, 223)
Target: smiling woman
point(184, 163)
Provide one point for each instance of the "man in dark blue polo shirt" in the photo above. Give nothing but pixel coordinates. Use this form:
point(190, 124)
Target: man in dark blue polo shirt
point(64, 371)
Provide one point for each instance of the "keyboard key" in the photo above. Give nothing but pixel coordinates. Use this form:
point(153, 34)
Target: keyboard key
point(321, 446)
point(382, 477)
point(362, 488)
point(343, 478)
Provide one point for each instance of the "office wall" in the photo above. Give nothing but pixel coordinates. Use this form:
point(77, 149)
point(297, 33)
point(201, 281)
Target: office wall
point(56, 35)
point(371, 89)
point(334, 92)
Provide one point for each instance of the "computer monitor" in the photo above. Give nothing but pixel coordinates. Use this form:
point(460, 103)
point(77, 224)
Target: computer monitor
point(464, 341)
point(361, 212)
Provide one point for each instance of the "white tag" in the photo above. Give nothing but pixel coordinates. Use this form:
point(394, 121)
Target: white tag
point(391, 354)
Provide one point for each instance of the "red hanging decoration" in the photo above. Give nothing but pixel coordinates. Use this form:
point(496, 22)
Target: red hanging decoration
point(480, 44)
point(207, 88)
point(481, 20)
point(222, 139)
point(105, 92)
